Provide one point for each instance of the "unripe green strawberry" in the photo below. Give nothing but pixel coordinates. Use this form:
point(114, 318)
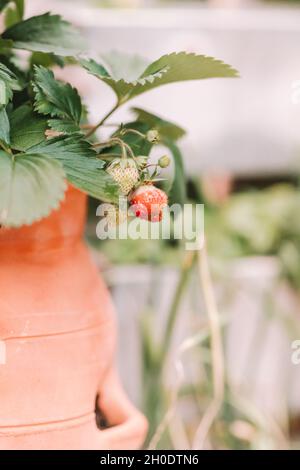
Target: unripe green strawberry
point(124, 171)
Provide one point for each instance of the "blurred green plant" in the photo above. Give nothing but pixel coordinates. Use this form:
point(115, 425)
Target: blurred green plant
point(259, 223)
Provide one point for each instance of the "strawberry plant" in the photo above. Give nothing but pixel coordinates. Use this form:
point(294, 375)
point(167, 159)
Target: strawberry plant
point(45, 138)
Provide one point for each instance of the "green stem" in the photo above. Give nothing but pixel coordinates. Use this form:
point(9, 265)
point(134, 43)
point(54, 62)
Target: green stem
point(5, 148)
point(174, 308)
point(117, 141)
point(217, 354)
point(93, 129)
point(133, 131)
point(108, 156)
point(130, 151)
point(124, 146)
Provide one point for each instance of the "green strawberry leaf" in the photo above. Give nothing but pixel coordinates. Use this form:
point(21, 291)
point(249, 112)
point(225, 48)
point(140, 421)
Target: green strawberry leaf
point(67, 126)
point(69, 150)
point(31, 186)
point(170, 68)
point(166, 129)
point(99, 185)
point(27, 128)
point(45, 33)
point(82, 167)
point(4, 126)
point(46, 59)
point(6, 46)
point(54, 97)
point(94, 68)
point(177, 189)
point(124, 89)
point(19, 76)
point(124, 66)
point(8, 83)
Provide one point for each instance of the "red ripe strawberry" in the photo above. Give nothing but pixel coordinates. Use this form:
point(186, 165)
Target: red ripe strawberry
point(147, 202)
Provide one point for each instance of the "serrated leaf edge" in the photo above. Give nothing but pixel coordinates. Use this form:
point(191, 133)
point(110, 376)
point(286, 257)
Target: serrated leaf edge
point(25, 222)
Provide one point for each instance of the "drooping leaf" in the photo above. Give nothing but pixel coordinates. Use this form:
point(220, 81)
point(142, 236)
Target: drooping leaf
point(11, 17)
point(4, 126)
point(45, 33)
point(20, 7)
point(14, 13)
point(31, 186)
point(8, 83)
point(82, 167)
point(170, 68)
point(177, 190)
point(27, 128)
point(166, 129)
point(123, 89)
point(54, 97)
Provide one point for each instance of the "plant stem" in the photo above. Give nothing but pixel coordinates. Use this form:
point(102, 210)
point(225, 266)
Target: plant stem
point(214, 321)
point(218, 368)
point(115, 140)
point(108, 156)
point(129, 150)
point(6, 149)
point(86, 126)
point(94, 128)
point(124, 146)
point(180, 288)
point(133, 131)
point(112, 124)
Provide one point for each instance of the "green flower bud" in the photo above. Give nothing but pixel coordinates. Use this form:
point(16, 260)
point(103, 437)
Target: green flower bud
point(152, 136)
point(164, 161)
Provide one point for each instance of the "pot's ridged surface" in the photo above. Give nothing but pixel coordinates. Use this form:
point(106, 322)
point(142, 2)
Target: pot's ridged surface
point(57, 334)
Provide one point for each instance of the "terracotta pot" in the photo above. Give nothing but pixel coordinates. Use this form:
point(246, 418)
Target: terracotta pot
point(58, 337)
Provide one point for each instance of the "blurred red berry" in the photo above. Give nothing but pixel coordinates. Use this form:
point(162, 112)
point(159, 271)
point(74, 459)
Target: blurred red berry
point(147, 202)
